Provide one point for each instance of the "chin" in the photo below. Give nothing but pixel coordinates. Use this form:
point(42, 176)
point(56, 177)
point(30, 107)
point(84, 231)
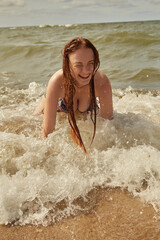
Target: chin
point(83, 83)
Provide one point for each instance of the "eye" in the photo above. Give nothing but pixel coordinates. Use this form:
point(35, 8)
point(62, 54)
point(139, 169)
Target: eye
point(91, 63)
point(78, 65)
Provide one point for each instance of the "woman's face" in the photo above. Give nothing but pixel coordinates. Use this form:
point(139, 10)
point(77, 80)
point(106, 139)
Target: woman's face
point(82, 65)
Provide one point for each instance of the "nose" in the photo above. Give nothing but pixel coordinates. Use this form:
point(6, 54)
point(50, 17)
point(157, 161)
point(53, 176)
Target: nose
point(86, 69)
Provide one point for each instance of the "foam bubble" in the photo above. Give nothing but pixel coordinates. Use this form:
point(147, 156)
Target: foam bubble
point(41, 178)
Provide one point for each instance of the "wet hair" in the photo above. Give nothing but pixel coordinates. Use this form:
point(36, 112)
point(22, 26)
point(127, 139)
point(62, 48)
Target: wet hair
point(68, 83)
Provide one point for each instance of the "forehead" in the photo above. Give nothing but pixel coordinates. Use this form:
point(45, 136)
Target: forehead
point(82, 55)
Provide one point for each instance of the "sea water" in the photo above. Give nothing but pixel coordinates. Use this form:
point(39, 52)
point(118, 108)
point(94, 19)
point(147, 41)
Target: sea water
point(41, 178)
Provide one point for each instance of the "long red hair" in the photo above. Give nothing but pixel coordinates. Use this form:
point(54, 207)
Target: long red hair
point(68, 82)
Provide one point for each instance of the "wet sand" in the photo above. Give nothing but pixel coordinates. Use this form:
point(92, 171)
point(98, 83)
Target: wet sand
point(113, 215)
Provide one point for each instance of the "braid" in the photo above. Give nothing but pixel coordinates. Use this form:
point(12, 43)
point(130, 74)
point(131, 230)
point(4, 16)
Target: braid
point(69, 92)
point(72, 121)
point(93, 104)
point(68, 83)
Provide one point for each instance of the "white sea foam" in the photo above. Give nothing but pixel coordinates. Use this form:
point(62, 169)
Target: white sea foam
point(37, 174)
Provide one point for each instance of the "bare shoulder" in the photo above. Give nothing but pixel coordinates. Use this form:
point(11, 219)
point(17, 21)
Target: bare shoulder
point(103, 91)
point(102, 83)
point(56, 78)
point(55, 84)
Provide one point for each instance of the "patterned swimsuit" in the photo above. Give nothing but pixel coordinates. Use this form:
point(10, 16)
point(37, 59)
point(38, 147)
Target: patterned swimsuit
point(62, 106)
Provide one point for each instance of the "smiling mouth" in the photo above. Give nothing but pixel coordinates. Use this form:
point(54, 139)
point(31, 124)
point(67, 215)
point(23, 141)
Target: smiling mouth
point(86, 77)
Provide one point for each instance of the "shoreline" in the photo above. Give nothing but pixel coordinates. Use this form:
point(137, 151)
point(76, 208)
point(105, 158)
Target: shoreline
point(114, 215)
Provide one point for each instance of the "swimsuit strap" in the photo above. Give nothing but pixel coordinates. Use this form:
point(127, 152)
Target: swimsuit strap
point(62, 105)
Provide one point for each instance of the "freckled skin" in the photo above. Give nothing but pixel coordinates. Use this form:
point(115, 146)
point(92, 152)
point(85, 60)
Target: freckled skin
point(81, 64)
point(82, 68)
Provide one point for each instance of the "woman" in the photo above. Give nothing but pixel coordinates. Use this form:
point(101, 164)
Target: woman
point(75, 87)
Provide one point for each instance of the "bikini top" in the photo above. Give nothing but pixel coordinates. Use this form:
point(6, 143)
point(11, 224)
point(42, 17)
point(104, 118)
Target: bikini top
point(62, 106)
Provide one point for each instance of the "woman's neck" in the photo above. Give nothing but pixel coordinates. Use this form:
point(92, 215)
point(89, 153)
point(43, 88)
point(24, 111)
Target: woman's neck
point(76, 84)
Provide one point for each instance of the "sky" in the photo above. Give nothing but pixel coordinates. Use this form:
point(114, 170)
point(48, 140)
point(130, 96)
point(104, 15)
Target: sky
point(53, 12)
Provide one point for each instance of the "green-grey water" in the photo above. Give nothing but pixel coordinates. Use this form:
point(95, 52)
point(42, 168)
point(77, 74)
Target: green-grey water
point(37, 174)
point(129, 52)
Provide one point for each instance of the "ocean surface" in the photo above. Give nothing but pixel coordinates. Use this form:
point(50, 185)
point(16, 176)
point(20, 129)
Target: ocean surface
point(40, 179)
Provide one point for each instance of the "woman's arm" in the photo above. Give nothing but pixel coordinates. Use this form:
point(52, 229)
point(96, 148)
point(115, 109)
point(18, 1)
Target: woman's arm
point(54, 91)
point(104, 92)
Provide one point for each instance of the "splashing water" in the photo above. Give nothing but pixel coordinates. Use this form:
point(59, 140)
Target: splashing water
point(40, 179)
